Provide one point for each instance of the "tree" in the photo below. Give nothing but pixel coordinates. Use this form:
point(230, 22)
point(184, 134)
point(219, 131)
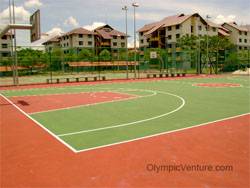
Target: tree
point(105, 55)
point(85, 55)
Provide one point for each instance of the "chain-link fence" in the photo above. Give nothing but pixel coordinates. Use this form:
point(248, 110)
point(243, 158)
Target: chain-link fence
point(36, 65)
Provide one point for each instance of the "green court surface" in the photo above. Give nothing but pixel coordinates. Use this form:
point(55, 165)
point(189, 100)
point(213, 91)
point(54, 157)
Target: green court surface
point(157, 107)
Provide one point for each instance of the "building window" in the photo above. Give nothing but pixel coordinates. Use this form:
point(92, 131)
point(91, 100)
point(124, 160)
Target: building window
point(5, 54)
point(169, 37)
point(123, 44)
point(89, 36)
point(246, 33)
point(240, 32)
point(141, 33)
point(177, 36)
point(114, 43)
point(122, 37)
point(214, 29)
point(245, 47)
point(80, 35)
point(240, 47)
point(67, 44)
point(169, 28)
point(148, 40)
point(80, 43)
point(240, 40)
point(90, 43)
point(245, 40)
point(4, 37)
point(177, 27)
point(192, 29)
point(169, 45)
point(142, 41)
point(4, 45)
point(114, 37)
point(200, 28)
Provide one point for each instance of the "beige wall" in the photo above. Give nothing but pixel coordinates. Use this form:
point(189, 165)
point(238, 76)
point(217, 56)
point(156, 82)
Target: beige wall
point(5, 42)
point(235, 36)
point(185, 28)
point(118, 42)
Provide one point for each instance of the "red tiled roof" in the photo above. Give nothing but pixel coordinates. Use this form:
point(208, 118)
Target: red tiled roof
point(79, 30)
point(234, 25)
point(106, 34)
point(223, 32)
point(168, 21)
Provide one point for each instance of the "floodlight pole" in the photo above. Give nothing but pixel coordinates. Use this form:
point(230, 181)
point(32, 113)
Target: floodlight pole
point(12, 46)
point(207, 44)
point(135, 5)
point(125, 8)
point(15, 48)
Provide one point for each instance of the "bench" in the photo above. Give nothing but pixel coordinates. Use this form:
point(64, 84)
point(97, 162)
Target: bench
point(162, 75)
point(74, 79)
point(157, 75)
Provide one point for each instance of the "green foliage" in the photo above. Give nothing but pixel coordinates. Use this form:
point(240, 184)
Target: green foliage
point(105, 55)
point(29, 57)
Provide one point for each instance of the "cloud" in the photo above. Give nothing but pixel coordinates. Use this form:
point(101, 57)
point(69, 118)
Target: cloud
point(131, 44)
point(71, 22)
point(93, 26)
point(33, 3)
point(21, 15)
point(149, 16)
point(55, 31)
point(221, 19)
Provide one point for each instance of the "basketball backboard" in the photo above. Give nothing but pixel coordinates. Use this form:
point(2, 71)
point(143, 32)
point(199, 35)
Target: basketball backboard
point(35, 32)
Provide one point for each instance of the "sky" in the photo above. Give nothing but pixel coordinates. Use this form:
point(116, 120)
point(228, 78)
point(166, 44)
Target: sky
point(59, 16)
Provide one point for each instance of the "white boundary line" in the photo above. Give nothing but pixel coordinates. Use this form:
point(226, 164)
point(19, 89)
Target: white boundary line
point(122, 142)
point(39, 124)
point(239, 79)
point(133, 97)
point(163, 133)
point(135, 122)
point(228, 86)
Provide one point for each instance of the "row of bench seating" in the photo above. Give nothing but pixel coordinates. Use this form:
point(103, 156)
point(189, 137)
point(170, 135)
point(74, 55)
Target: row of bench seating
point(74, 79)
point(162, 75)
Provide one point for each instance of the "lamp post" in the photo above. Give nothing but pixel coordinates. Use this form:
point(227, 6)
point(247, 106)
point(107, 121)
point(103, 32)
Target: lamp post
point(125, 8)
point(135, 5)
point(207, 17)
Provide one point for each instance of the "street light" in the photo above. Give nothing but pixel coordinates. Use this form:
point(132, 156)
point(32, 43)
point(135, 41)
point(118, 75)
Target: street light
point(207, 17)
point(135, 5)
point(125, 8)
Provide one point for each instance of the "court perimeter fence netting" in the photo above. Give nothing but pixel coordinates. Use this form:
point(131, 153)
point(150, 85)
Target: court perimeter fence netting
point(41, 65)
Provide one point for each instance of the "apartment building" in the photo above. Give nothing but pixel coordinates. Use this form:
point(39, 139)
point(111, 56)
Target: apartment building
point(77, 39)
point(238, 35)
point(52, 43)
point(165, 33)
point(108, 37)
point(5, 45)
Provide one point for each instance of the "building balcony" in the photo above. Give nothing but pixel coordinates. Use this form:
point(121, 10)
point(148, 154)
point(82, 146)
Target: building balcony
point(154, 39)
point(105, 44)
point(178, 49)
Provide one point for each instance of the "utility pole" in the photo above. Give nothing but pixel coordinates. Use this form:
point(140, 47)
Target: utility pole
point(125, 8)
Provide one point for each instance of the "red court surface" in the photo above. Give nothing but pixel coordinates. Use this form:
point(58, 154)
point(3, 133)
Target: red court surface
point(219, 85)
point(30, 157)
point(41, 103)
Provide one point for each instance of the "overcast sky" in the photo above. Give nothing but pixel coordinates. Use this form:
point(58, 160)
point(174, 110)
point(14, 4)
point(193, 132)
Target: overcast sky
point(64, 15)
